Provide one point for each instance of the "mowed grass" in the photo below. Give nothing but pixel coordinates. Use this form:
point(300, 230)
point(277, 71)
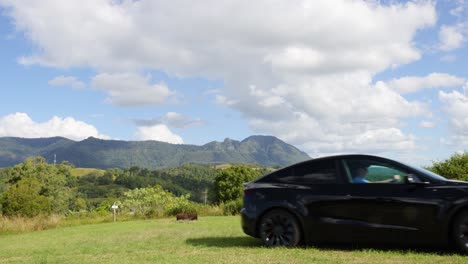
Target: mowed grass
point(208, 240)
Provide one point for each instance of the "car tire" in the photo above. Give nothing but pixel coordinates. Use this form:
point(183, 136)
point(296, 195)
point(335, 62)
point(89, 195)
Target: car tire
point(279, 228)
point(460, 232)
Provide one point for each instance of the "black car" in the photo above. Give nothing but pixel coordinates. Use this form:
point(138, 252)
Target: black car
point(356, 198)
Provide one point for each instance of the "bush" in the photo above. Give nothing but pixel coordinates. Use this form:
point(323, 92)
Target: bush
point(456, 167)
point(228, 184)
point(182, 206)
point(156, 202)
point(232, 207)
point(24, 199)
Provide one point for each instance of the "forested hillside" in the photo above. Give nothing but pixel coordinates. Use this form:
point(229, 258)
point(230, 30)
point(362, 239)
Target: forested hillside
point(104, 154)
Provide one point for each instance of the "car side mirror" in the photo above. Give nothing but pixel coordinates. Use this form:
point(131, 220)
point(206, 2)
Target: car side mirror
point(413, 179)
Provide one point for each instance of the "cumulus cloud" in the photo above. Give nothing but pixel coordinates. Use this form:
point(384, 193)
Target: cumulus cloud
point(455, 105)
point(413, 84)
point(67, 81)
point(427, 124)
point(306, 65)
point(129, 89)
point(171, 119)
point(451, 37)
point(21, 125)
point(158, 132)
point(459, 9)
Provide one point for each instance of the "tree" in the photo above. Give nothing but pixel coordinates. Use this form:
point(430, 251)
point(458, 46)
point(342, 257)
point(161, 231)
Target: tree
point(24, 198)
point(52, 181)
point(228, 185)
point(456, 167)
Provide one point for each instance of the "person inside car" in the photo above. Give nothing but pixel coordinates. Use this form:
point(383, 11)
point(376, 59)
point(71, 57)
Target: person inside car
point(360, 173)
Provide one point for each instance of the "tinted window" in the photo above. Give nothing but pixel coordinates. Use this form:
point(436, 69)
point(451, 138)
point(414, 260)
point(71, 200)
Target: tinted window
point(365, 170)
point(314, 172)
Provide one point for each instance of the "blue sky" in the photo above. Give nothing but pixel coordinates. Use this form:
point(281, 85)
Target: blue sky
point(380, 77)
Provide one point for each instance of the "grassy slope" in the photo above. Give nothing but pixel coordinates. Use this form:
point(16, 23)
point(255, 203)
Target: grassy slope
point(209, 240)
point(80, 172)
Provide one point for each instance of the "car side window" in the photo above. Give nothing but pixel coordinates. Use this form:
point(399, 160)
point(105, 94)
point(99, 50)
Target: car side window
point(315, 172)
point(373, 171)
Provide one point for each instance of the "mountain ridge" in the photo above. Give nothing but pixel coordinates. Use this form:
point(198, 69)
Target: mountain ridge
point(103, 154)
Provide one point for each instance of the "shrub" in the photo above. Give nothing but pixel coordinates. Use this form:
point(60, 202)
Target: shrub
point(232, 207)
point(228, 184)
point(24, 199)
point(156, 202)
point(456, 167)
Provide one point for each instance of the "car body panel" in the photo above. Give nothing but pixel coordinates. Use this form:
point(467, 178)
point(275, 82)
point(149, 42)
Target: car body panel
point(419, 212)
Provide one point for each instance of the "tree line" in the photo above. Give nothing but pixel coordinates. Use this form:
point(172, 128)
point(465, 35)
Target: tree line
point(35, 187)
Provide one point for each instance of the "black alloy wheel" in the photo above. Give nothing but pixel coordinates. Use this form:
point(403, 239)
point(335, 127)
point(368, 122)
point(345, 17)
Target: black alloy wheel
point(280, 228)
point(460, 232)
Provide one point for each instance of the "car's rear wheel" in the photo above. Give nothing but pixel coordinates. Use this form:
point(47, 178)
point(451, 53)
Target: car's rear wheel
point(280, 228)
point(460, 232)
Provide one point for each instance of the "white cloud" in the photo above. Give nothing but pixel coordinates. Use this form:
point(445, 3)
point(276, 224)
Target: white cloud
point(427, 124)
point(459, 9)
point(158, 132)
point(172, 119)
point(128, 89)
point(451, 37)
point(311, 63)
point(455, 106)
point(180, 121)
point(67, 81)
point(21, 125)
point(413, 84)
point(123, 35)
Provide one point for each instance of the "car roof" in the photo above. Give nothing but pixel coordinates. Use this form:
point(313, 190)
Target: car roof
point(341, 156)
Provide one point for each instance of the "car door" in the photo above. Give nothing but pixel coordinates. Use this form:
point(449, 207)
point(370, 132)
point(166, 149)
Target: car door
point(322, 195)
point(386, 208)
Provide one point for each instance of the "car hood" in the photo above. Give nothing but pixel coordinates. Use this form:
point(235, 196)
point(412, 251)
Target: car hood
point(456, 183)
point(453, 184)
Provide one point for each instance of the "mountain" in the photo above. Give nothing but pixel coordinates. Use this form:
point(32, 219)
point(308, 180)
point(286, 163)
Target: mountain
point(103, 154)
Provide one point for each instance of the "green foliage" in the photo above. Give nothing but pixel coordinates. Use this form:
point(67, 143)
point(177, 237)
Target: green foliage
point(104, 154)
point(154, 202)
point(42, 181)
point(79, 204)
point(24, 198)
point(97, 190)
point(456, 167)
point(228, 185)
point(232, 207)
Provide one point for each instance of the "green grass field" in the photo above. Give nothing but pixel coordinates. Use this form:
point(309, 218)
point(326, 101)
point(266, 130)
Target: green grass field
point(208, 240)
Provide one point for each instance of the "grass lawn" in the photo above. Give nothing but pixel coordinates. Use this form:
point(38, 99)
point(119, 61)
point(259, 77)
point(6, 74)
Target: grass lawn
point(208, 240)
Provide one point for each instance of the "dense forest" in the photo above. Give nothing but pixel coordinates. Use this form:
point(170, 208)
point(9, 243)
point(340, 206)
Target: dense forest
point(35, 186)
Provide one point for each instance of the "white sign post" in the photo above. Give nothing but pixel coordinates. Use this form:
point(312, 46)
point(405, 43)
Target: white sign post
point(115, 207)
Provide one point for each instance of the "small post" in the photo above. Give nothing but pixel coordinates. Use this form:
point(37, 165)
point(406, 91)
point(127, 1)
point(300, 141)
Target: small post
point(205, 195)
point(115, 207)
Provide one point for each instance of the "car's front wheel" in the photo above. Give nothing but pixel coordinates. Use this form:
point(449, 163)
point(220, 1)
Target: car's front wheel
point(460, 232)
point(280, 228)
